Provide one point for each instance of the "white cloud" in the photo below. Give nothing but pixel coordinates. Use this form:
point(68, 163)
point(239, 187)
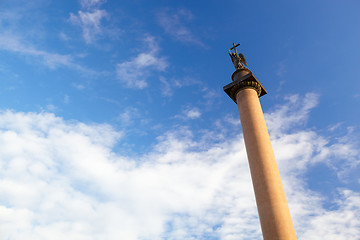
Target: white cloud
point(28, 41)
point(295, 113)
point(335, 126)
point(62, 180)
point(88, 4)
point(78, 86)
point(341, 223)
point(281, 71)
point(193, 113)
point(90, 23)
point(134, 73)
point(51, 107)
point(174, 23)
point(189, 113)
point(230, 120)
point(169, 85)
point(128, 116)
point(13, 43)
point(63, 36)
point(66, 99)
point(166, 89)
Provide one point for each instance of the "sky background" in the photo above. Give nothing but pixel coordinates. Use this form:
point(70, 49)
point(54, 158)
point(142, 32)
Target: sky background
point(114, 123)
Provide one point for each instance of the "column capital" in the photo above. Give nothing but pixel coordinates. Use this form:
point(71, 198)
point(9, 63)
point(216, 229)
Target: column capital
point(242, 79)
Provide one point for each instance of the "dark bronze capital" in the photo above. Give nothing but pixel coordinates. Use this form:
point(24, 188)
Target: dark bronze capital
point(243, 79)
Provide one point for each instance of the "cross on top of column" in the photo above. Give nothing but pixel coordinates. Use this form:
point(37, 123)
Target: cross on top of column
point(234, 47)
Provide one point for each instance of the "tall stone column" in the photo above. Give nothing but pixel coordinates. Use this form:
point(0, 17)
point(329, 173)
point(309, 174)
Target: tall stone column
point(272, 206)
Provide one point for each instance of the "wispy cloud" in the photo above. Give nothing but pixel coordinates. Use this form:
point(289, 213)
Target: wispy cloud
point(51, 108)
point(340, 223)
point(134, 73)
point(281, 70)
point(78, 86)
point(175, 23)
point(294, 113)
point(90, 19)
point(63, 178)
point(128, 116)
point(90, 4)
point(191, 113)
point(170, 85)
point(21, 37)
point(13, 43)
point(66, 99)
point(90, 23)
point(166, 88)
point(63, 36)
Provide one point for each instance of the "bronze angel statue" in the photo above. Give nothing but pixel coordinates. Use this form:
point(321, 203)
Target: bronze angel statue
point(238, 59)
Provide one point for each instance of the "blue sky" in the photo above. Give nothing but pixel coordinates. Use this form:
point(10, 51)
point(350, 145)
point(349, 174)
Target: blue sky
point(114, 124)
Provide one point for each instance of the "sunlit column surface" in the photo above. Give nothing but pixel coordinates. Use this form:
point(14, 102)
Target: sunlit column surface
point(271, 202)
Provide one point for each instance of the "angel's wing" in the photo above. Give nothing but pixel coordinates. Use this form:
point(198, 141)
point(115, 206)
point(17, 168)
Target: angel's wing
point(242, 59)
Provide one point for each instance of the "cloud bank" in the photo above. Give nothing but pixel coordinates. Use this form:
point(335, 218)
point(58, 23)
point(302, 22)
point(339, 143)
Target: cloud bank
point(63, 180)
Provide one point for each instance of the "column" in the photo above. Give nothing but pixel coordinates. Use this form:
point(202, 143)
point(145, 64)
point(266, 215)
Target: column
point(270, 197)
